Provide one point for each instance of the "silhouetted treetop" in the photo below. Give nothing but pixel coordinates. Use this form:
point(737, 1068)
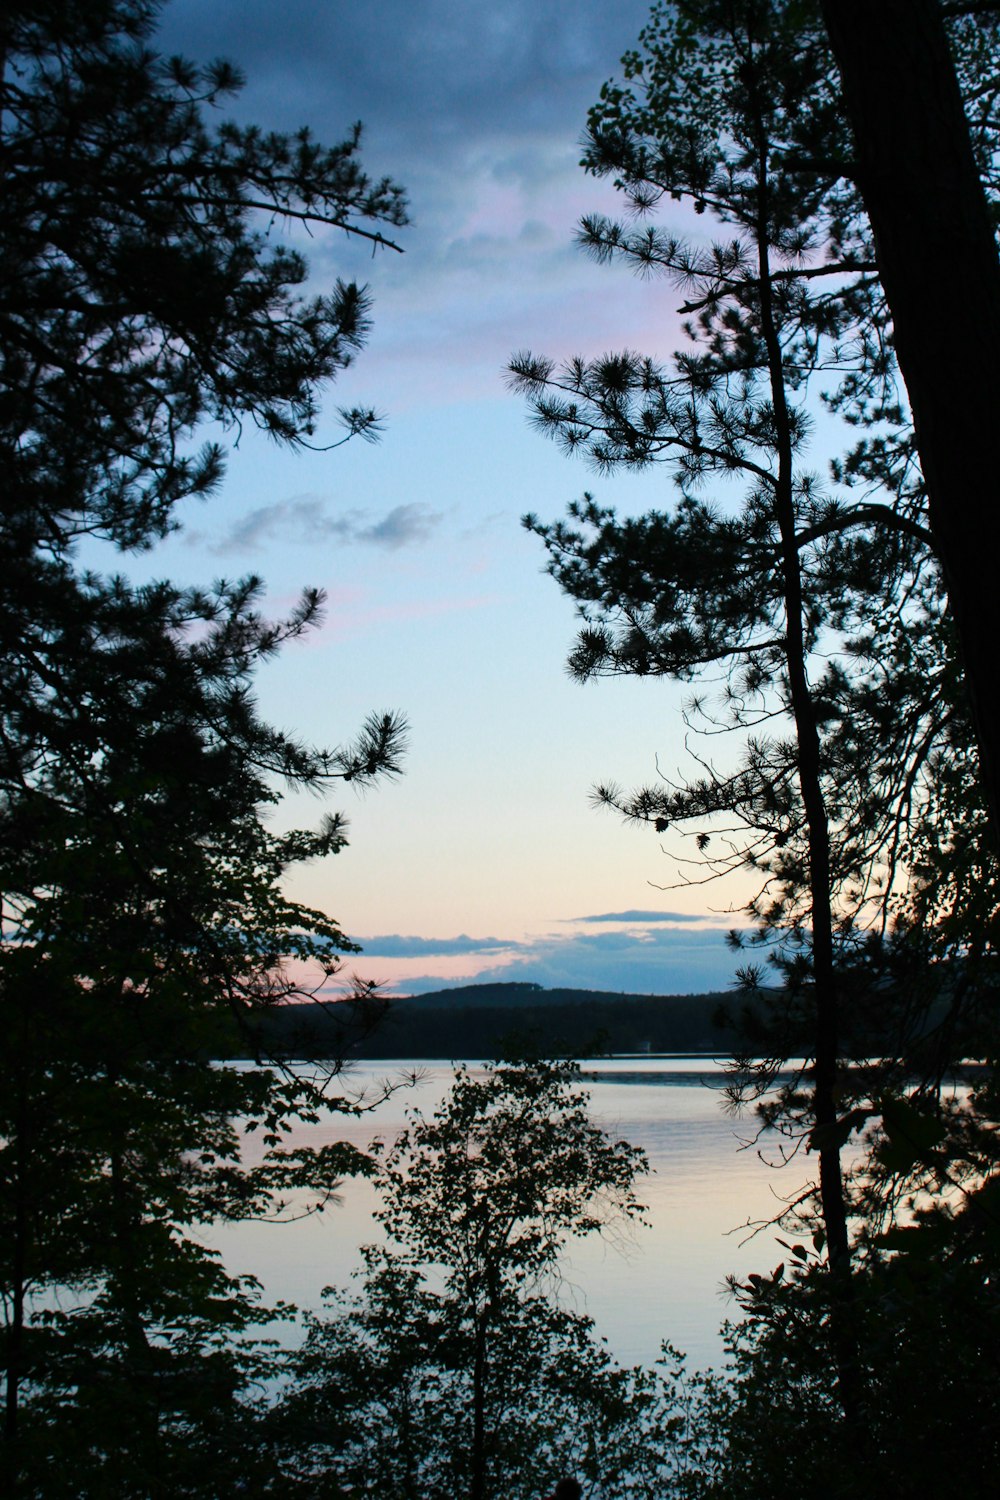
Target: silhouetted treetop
point(141, 292)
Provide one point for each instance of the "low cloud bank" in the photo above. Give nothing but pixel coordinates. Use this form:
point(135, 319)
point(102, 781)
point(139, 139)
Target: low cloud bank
point(670, 960)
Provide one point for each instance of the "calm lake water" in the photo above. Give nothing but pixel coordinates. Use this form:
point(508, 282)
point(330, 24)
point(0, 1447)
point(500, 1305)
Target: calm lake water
point(664, 1281)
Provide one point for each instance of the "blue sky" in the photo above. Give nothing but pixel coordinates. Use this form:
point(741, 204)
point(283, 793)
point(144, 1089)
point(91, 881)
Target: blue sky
point(486, 858)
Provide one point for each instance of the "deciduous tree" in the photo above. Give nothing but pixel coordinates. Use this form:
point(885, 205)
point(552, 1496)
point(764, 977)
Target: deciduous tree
point(456, 1370)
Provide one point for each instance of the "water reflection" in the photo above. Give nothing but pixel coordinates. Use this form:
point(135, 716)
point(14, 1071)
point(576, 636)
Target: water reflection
point(709, 1181)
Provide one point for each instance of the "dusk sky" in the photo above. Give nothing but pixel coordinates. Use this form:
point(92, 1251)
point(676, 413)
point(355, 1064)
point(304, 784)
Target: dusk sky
point(486, 859)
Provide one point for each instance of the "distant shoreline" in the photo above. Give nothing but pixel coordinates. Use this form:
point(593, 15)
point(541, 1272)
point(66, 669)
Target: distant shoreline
point(479, 1020)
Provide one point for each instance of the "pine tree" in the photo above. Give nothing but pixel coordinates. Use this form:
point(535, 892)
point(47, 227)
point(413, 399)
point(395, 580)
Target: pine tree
point(821, 610)
point(145, 929)
point(924, 166)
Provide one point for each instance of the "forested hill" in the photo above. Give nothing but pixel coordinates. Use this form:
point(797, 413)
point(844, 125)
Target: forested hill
point(472, 1021)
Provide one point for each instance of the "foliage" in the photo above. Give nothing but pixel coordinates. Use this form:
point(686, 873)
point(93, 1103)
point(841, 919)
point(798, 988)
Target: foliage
point(925, 159)
point(453, 1371)
point(705, 588)
point(820, 610)
point(140, 294)
point(153, 933)
point(816, 606)
point(925, 1313)
point(145, 926)
point(734, 109)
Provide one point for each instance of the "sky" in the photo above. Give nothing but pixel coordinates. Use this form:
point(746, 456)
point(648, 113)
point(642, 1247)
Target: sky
point(486, 859)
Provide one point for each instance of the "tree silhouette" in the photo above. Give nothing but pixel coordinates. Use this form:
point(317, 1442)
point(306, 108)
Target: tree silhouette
point(820, 610)
point(456, 1369)
point(144, 923)
point(919, 162)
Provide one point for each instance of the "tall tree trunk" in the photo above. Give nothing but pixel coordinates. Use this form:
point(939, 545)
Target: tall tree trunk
point(826, 1000)
point(938, 262)
point(826, 1033)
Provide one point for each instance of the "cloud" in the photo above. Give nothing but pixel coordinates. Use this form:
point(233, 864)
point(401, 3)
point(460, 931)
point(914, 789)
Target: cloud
point(427, 72)
point(304, 519)
point(671, 960)
point(645, 918)
point(478, 113)
point(394, 945)
point(402, 525)
point(661, 963)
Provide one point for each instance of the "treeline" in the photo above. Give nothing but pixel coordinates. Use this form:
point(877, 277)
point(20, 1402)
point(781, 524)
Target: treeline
point(472, 1020)
point(479, 1020)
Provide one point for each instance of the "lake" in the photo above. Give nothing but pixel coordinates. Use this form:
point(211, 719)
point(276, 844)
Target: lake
point(661, 1281)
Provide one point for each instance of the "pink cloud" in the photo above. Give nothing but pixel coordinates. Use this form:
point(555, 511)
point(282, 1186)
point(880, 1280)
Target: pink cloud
point(348, 620)
point(393, 973)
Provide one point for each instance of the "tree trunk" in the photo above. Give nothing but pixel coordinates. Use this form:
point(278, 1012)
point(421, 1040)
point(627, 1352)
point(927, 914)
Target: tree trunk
point(938, 263)
point(140, 1392)
point(477, 1488)
point(826, 1001)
